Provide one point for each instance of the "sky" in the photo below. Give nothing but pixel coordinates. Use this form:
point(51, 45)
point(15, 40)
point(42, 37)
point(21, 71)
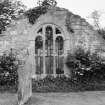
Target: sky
point(79, 7)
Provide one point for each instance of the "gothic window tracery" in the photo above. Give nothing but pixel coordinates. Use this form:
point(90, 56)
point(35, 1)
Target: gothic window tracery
point(58, 31)
point(50, 41)
point(40, 31)
point(38, 52)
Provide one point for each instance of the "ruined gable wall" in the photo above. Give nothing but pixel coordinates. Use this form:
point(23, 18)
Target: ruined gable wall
point(80, 32)
point(21, 34)
point(84, 34)
point(77, 33)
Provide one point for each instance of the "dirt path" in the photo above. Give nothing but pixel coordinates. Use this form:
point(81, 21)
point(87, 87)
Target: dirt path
point(80, 98)
point(7, 99)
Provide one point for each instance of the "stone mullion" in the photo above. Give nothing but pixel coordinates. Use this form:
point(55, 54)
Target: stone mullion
point(44, 55)
point(65, 53)
point(34, 55)
point(54, 64)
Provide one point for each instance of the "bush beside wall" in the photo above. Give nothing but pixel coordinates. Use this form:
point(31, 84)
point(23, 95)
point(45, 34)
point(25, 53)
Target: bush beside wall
point(88, 73)
point(8, 71)
point(86, 67)
point(64, 84)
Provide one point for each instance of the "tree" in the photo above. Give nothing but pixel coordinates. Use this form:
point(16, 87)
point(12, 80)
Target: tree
point(8, 68)
point(9, 10)
point(95, 16)
point(47, 3)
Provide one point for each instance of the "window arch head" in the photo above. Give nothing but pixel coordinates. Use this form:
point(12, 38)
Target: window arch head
point(49, 33)
point(50, 29)
point(40, 31)
point(38, 42)
point(57, 31)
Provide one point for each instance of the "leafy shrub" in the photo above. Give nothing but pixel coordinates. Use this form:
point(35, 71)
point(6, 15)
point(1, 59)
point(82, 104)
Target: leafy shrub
point(85, 66)
point(64, 84)
point(51, 84)
point(8, 69)
point(88, 72)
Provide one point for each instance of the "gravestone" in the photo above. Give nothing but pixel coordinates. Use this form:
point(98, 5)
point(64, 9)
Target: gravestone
point(25, 83)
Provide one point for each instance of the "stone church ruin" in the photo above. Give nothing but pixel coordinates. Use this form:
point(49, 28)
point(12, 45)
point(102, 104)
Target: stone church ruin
point(43, 47)
point(53, 36)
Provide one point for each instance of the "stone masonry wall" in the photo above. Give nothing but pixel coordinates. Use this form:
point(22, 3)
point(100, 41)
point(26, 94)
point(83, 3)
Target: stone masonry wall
point(85, 36)
point(20, 34)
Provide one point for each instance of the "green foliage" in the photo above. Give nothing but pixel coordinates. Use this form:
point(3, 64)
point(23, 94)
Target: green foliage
point(35, 13)
point(47, 3)
point(8, 69)
point(86, 66)
point(51, 84)
point(68, 23)
point(9, 10)
point(64, 84)
point(102, 32)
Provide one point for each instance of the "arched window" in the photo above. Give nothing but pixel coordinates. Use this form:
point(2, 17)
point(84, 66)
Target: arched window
point(49, 39)
point(38, 43)
point(39, 52)
point(49, 50)
point(59, 58)
point(59, 45)
point(49, 33)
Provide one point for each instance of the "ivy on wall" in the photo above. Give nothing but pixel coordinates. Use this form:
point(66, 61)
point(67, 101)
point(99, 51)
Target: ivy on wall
point(68, 23)
point(35, 13)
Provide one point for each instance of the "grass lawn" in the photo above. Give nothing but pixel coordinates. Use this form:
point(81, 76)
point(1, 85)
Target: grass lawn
point(73, 98)
point(7, 99)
